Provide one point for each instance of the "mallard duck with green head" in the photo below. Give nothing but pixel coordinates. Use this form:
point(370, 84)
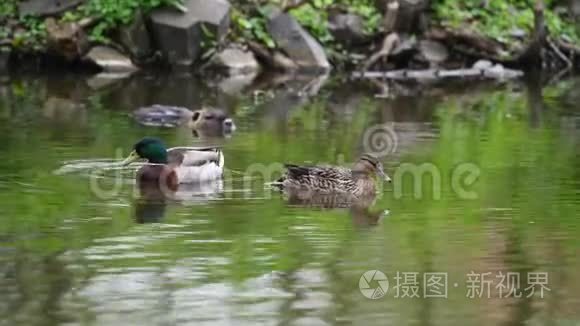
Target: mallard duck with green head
point(174, 166)
point(360, 181)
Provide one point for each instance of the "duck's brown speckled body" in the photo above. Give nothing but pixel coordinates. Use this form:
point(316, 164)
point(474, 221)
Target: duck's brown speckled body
point(358, 181)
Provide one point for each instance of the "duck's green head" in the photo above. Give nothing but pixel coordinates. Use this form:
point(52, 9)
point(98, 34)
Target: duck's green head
point(148, 148)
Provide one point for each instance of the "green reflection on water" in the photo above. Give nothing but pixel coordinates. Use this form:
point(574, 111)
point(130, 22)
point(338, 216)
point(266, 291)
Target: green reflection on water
point(58, 238)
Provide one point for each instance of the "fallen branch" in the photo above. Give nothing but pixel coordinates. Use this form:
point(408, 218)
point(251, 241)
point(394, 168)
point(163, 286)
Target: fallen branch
point(559, 53)
point(275, 60)
point(573, 49)
point(389, 44)
point(496, 72)
point(295, 5)
point(391, 39)
point(453, 38)
point(88, 21)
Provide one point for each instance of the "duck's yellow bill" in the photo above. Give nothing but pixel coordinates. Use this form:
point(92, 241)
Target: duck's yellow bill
point(131, 158)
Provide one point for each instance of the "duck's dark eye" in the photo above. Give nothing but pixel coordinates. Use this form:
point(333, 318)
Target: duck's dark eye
point(195, 116)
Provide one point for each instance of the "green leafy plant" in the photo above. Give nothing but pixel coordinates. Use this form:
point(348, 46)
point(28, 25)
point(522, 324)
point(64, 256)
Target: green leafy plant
point(7, 8)
point(33, 35)
point(500, 17)
point(313, 16)
point(253, 27)
point(112, 13)
point(368, 11)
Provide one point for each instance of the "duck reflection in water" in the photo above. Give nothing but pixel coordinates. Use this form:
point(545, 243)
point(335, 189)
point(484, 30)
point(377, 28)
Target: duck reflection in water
point(361, 209)
point(151, 205)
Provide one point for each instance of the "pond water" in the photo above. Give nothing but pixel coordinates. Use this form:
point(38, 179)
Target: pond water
point(480, 225)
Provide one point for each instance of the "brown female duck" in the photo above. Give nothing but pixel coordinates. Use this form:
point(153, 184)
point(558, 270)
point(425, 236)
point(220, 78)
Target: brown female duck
point(358, 181)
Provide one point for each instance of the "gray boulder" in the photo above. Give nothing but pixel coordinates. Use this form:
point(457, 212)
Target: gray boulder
point(110, 60)
point(575, 8)
point(46, 7)
point(297, 43)
point(482, 64)
point(347, 28)
point(179, 34)
point(235, 61)
point(66, 39)
point(432, 51)
point(135, 38)
point(214, 13)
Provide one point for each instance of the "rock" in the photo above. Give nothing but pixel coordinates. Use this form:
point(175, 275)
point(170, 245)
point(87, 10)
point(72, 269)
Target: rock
point(575, 8)
point(347, 28)
point(482, 64)
point(433, 51)
point(498, 71)
point(235, 61)
point(110, 60)
point(46, 7)
point(179, 45)
point(300, 46)
point(214, 13)
point(66, 39)
point(179, 34)
point(135, 38)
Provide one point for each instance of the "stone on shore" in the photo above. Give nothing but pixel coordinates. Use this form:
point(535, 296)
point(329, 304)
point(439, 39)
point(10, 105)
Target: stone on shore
point(46, 7)
point(347, 28)
point(135, 38)
point(297, 43)
point(482, 64)
point(179, 34)
point(235, 61)
point(432, 51)
point(110, 60)
point(66, 39)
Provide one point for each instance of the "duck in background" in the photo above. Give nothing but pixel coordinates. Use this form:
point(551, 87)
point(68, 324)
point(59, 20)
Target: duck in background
point(207, 122)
